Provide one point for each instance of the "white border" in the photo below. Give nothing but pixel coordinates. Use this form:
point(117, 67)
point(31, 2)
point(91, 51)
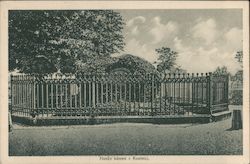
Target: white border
point(10, 5)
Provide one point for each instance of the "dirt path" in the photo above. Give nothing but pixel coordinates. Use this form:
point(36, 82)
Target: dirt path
point(127, 139)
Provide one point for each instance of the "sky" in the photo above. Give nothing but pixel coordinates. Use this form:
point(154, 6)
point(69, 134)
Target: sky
point(204, 39)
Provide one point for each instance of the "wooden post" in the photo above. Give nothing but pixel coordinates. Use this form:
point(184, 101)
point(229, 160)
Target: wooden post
point(237, 120)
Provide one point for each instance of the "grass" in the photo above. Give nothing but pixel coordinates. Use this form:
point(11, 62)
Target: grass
point(126, 139)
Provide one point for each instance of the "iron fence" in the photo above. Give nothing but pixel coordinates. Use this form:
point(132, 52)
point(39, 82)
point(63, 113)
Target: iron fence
point(118, 94)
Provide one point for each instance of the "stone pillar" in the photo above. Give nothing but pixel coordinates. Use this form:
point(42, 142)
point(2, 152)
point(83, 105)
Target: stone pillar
point(237, 120)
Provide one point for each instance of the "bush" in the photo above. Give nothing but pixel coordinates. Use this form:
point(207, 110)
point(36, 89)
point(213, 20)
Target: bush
point(236, 97)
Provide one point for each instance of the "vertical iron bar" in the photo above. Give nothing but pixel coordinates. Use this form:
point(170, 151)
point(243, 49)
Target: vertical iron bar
point(197, 92)
point(90, 104)
point(38, 105)
point(106, 97)
point(160, 96)
point(125, 97)
point(144, 98)
point(80, 96)
point(152, 93)
point(66, 96)
point(139, 99)
point(120, 101)
point(111, 94)
point(34, 95)
point(155, 96)
point(179, 90)
point(47, 99)
point(84, 96)
point(210, 82)
point(192, 94)
point(23, 112)
point(42, 96)
point(11, 94)
point(93, 93)
point(76, 89)
point(101, 93)
point(165, 94)
point(52, 98)
point(134, 98)
point(170, 90)
point(70, 99)
point(174, 94)
point(116, 99)
point(129, 98)
point(61, 96)
point(56, 96)
point(97, 93)
point(184, 91)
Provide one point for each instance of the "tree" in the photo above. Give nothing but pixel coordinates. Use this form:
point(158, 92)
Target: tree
point(239, 57)
point(133, 64)
point(167, 59)
point(239, 74)
point(236, 94)
point(62, 38)
point(221, 71)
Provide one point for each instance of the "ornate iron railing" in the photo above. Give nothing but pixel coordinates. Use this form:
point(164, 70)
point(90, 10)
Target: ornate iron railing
point(118, 94)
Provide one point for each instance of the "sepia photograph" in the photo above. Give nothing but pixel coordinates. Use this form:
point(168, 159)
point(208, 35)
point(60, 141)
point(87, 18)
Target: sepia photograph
point(124, 84)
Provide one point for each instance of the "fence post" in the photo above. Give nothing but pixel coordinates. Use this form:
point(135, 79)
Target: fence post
point(11, 94)
point(227, 96)
point(210, 98)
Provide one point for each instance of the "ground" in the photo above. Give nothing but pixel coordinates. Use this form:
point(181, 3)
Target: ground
point(127, 139)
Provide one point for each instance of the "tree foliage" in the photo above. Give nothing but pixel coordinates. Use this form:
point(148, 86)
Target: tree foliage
point(62, 38)
point(239, 57)
point(221, 71)
point(133, 64)
point(96, 65)
point(167, 59)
